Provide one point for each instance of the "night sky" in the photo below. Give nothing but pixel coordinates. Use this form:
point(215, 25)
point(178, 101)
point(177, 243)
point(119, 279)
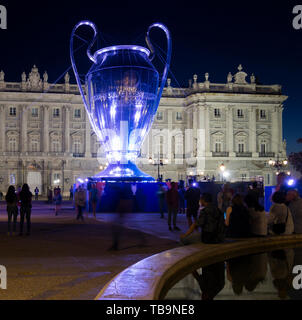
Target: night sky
point(208, 36)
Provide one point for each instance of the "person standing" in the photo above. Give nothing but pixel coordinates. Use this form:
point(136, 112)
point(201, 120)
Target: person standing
point(173, 203)
point(49, 195)
point(192, 195)
point(36, 193)
point(224, 197)
point(94, 198)
point(80, 202)
point(71, 193)
point(58, 201)
point(295, 207)
point(161, 198)
point(182, 205)
point(12, 209)
point(25, 211)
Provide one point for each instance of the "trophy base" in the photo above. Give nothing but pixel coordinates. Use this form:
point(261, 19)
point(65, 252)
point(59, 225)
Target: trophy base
point(122, 172)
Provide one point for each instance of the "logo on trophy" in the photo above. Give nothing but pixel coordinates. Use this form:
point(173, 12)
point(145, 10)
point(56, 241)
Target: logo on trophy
point(121, 100)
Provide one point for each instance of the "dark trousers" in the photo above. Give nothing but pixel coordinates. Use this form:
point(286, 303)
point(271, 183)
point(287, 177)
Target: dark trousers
point(25, 212)
point(172, 214)
point(12, 213)
point(80, 213)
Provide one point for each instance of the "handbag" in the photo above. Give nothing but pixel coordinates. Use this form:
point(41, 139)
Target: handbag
point(279, 228)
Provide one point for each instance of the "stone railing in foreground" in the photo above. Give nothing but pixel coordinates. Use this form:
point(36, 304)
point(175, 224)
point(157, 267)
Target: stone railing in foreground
point(151, 278)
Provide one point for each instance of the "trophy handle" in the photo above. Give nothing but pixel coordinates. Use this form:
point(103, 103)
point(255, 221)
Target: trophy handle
point(152, 55)
point(93, 26)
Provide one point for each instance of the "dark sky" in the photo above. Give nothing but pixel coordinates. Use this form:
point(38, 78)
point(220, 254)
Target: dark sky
point(208, 36)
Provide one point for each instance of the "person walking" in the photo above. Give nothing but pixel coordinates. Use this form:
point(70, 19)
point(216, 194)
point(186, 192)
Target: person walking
point(80, 202)
point(12, 209)
point(58, 201)
point(36, 193)
point(25, 210)
point(173, 203)
point(192, 195)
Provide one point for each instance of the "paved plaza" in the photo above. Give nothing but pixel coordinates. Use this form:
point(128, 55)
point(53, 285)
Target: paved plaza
point(67, 259)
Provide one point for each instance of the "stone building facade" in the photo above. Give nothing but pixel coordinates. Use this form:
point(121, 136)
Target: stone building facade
point(46, 138)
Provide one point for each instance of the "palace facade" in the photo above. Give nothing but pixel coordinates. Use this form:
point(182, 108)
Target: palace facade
point(46, 138)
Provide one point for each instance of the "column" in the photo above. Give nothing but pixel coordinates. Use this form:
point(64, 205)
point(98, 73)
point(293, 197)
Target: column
point(67, 130)
point(280, 111)
point(230, 131)
point(87, 138)
point(23, 135)
point(168, 136)
point(275, 131)
point(201, 134)
point(252, 132)
point(2, 129)
point(207, 131)
point(45, 129)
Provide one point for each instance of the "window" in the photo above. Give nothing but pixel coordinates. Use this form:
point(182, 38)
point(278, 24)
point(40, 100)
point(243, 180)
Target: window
point(55, 146)
point(263, 148)
point(240, 113)
point(12, 111)
point(34, 145)
point(12, 144)
point(77, 146)
point(218, 147)
point(159, 116)
point(240, 147)
point(34, 112)
point(12, 179)
point(243, 176)
point(262, 114)
point(77, 113)
point(217, 113)
point(56, 112)
point(178, 116)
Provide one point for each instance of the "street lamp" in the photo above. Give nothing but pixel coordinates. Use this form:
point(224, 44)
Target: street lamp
point(158, 163)
point(278, 164)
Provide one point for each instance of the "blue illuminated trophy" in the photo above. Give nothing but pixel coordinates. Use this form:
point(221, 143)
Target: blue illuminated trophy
point(122, 97)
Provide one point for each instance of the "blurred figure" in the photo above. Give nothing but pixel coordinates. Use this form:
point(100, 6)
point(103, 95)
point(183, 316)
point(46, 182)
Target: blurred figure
point(280, 214)
point(71, 193)
point(224, 197)
point(93, 198)
point(161, 194)
point(295, 207)
point(25, 211)
point(36, 193)
point(254, 192)
point(237, 219)
point(173, 202)
point(258, 219)
point(12, 208)
point(192, 195)
point(181, 193)
point(49, 195)
point(1, 195)
point(57, 198)
point(80, 202)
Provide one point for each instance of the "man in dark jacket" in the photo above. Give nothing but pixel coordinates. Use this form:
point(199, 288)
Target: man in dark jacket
point(173, 203)
point(192, 195)
point(210, 220)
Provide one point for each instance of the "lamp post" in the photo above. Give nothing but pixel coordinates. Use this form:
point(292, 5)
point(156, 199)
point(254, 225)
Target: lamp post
point(222, 169)
point(278, 164)
point(158, 163)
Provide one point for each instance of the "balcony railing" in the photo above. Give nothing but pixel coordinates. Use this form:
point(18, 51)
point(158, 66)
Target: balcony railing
point(267, 154)
point(244, 154)
point(78, 155)
point(220, 154)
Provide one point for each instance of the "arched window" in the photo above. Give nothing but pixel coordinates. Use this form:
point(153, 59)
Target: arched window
point(12, 144)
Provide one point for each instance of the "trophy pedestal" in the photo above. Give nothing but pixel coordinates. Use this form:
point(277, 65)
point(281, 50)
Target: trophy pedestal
point(117, 172)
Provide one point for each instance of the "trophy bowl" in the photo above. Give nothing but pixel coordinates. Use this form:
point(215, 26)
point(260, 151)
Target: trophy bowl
point(122, 97)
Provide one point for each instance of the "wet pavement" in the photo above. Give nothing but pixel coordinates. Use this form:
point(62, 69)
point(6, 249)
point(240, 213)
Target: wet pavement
point(67, 259)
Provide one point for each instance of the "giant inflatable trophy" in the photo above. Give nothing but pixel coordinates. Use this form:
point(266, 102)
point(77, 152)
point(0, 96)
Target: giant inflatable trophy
point(122, 97)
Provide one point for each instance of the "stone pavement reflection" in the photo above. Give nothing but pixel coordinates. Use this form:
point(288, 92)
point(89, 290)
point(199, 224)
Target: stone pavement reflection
point(67, 259)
